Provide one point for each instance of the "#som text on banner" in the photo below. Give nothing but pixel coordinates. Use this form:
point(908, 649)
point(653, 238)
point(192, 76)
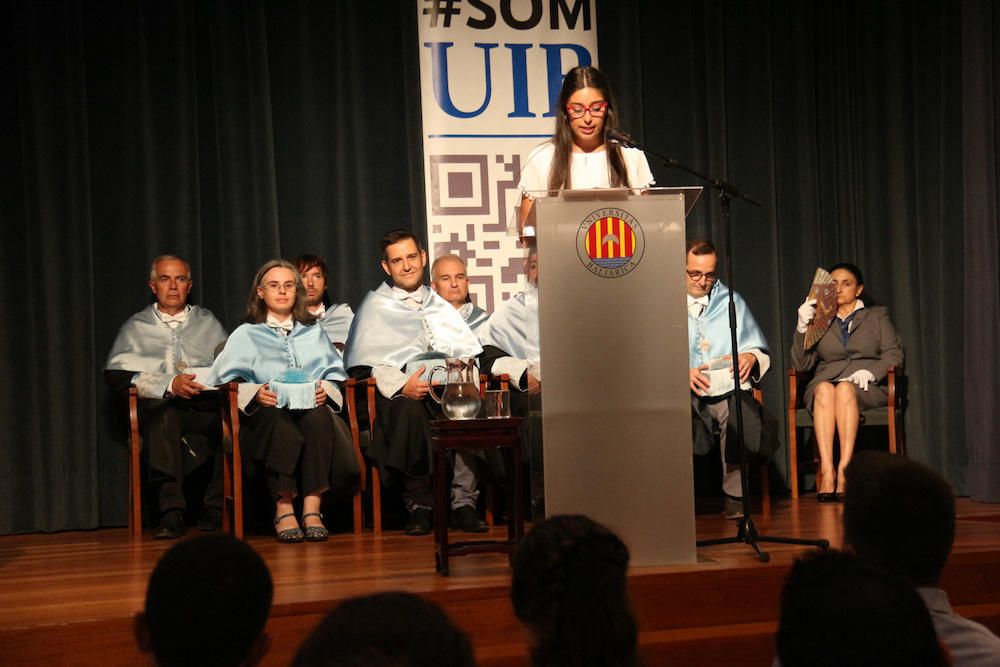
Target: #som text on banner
point(490, 75)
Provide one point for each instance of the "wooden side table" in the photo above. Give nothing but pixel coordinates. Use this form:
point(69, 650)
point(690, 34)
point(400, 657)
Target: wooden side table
point(475, 435)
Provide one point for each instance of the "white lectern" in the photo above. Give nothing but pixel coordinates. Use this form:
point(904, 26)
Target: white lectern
point(614, 354)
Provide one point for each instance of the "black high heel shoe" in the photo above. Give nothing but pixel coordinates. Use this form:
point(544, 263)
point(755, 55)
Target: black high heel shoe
point(824, 497)
point(841, 484)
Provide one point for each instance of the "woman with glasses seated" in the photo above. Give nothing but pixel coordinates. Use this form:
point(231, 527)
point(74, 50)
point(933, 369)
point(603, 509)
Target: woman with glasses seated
point(288, 369)
point(849, 363)
point(580, 155)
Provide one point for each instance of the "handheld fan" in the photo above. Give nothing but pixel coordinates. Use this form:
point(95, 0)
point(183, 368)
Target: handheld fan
point(825, 293)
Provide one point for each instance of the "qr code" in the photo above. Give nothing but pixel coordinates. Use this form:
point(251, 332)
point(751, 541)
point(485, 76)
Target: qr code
point(471, 204)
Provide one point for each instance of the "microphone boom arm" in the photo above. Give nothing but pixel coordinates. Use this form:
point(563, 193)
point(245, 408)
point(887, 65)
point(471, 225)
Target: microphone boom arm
point(728, 189)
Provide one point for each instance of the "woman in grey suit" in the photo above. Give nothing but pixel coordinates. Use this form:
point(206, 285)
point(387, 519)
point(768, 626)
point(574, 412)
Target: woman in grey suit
point(850, 363)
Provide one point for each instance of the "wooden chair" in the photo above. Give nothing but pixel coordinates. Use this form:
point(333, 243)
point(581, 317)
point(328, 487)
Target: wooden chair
point(232, 501)
point(232, 461)
point(371, 482)
point(890, 416)
point(765, 479)
point(134, 465)
point(370, 479)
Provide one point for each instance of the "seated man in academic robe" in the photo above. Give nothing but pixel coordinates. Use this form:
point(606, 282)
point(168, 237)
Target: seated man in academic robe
point(335, 318)
point(710, 349)
point(156, 350)
point(451, 282)
point(511, 347)
point(399, 335)
point(510, 340)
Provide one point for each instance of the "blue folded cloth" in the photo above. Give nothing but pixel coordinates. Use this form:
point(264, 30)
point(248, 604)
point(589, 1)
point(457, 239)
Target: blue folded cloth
point(295, 390)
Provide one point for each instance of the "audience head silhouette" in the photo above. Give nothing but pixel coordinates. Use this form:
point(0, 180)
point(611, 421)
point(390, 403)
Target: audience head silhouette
point(569, 589)
point(206, 604)
point(838, 610)
point(386, 630)
point(899, 515)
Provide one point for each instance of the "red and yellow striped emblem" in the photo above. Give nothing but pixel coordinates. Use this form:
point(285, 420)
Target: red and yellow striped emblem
point(610, 238)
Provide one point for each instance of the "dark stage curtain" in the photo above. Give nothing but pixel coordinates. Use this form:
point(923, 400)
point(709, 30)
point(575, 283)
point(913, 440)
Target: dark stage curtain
point(234, 131)
point(981, 288)
point(845, 120)
point(226, 131)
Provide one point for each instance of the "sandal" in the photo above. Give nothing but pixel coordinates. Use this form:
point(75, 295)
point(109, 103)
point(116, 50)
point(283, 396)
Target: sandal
point(315, 533)
point(291, 535)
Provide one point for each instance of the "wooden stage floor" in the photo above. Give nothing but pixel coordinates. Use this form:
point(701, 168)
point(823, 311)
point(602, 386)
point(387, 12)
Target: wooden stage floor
point(68, 598)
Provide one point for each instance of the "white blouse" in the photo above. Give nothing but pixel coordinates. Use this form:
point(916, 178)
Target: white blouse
point(587, 171)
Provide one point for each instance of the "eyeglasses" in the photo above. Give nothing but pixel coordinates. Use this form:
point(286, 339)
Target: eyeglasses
point(698, 275)
point(275, 286)
point(597, 109)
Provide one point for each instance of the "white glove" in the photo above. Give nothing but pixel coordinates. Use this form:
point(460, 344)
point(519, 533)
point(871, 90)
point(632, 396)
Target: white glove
point(807, 311)
point(861, 378)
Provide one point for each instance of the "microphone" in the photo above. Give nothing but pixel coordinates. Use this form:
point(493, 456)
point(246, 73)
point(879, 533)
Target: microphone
point(623, 138)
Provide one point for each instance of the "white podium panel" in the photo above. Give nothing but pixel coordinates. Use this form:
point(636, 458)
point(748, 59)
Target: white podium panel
point(614, 354)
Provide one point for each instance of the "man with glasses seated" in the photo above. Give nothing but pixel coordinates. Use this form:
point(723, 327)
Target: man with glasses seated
point(712, 388)
point(157, 350)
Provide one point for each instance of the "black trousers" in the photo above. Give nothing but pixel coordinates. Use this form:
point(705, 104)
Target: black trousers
point(760, 428)
point(402, 440)
point(180, 435)
point(290, 441)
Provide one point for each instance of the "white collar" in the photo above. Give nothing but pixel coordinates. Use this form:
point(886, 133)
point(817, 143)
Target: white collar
point(417, 295)
point(284, 325)
point(319, 310)
point(858, 305)
point(703, 300)
point(179, 318)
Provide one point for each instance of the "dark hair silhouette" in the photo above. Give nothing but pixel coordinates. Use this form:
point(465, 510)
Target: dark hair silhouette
point(838, 610)
point(207, 601)
point(899, 515)
point(386, 630)
point(569, 589)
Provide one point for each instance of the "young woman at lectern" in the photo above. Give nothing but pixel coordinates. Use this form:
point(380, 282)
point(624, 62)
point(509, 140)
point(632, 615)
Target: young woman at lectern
point(580, 155)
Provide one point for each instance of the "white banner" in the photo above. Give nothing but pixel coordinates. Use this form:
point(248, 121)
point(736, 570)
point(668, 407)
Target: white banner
point(490, 76)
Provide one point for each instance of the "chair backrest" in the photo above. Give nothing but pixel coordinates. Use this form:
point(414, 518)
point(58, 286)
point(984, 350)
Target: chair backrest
point(501, 382)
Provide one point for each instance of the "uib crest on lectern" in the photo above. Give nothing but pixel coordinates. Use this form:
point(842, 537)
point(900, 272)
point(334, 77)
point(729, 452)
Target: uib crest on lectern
point(614, 353)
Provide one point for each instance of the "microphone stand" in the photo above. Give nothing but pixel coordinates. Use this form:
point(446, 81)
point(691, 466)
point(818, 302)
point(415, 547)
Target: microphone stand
point(746, 531)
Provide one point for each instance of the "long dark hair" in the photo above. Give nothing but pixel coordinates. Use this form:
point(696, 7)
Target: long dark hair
point(576, 79)
point(257, 309)
point(569, 588)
